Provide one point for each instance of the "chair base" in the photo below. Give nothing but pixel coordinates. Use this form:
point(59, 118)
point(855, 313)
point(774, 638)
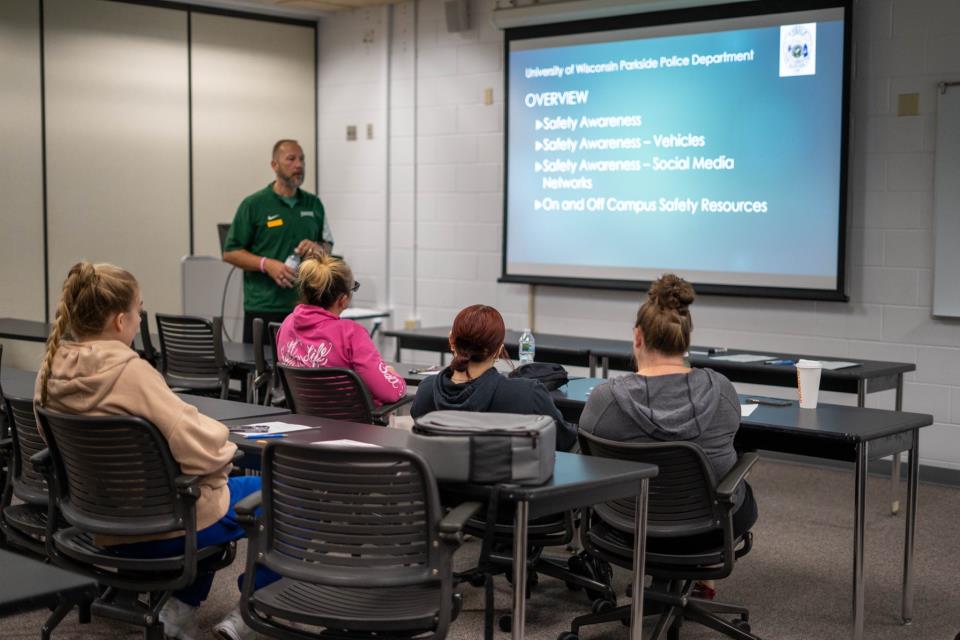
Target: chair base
point(676, 606)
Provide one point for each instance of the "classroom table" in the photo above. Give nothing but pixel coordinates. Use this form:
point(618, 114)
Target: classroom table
point(578, 481)
point(18, 383)
point(870, 376)
point(832, 432)
point(29, 585)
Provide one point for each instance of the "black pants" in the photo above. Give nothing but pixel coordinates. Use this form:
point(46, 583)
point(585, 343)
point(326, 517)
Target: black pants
point(268, 317)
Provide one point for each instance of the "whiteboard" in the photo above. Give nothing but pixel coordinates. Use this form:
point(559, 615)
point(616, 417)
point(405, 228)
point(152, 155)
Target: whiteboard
point(946, 204)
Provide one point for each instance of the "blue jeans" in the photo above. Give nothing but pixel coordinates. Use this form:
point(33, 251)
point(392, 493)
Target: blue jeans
point(224, 530)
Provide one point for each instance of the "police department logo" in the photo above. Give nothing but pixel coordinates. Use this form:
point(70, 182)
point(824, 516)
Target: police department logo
point(798, 50)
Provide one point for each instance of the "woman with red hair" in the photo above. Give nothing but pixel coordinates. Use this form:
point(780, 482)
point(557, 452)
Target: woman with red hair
point(471, 383)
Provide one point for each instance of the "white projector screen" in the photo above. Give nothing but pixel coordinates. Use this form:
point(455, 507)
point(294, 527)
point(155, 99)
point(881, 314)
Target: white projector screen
point(708, 142)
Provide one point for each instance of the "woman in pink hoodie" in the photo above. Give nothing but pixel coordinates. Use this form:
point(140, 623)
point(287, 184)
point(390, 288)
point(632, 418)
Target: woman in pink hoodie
point(315, 335)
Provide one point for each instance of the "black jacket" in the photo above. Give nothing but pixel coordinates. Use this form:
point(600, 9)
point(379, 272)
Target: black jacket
point(491, 393)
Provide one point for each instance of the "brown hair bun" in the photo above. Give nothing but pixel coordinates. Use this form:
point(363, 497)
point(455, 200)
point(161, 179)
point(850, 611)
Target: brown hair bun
point(671, 292)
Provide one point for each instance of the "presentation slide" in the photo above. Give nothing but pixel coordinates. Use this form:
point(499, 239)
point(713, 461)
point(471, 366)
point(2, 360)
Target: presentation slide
point(709, 149)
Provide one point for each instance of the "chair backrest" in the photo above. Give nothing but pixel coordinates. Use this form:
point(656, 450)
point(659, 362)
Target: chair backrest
point(146, 341)
point(28, 485)
point(114, 475)
point(350, 516)
point(259, 360)
point(682, 499)
point(192, 347)
point(273, 329)
point(327, 392)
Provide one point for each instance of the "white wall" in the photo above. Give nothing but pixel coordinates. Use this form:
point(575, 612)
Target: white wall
point(444, 248)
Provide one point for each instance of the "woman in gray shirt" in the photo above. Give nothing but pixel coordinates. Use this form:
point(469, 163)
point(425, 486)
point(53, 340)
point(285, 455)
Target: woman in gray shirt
point(668, 401)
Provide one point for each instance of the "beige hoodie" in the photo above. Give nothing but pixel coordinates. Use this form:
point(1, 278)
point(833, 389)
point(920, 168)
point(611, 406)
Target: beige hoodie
point(106, 377)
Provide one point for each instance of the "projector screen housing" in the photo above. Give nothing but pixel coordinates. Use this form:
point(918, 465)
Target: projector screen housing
point(711, 142)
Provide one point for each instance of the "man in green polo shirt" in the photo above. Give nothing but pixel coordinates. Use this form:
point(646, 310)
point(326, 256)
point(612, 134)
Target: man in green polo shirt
point(273, 224)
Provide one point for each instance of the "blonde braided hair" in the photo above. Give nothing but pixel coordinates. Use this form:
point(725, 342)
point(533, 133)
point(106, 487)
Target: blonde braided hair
point(91, 294)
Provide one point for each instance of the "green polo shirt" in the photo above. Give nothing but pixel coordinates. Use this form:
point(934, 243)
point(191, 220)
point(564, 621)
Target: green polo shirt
point(266, 225)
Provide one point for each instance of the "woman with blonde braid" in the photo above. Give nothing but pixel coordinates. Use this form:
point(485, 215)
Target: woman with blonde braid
point(315, 335)
point(95, 372)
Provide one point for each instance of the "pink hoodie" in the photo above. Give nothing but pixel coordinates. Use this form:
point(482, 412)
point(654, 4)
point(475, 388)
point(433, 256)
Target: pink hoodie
point(313, 337)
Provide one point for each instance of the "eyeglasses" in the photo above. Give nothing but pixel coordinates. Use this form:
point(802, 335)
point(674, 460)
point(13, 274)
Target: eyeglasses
point(356, 285)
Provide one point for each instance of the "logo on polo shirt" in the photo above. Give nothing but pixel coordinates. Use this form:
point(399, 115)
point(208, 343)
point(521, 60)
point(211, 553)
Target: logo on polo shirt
point(306, 214)
point(274, 221)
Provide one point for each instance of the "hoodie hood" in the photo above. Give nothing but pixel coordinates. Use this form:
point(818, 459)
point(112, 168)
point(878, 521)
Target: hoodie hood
point(476, 395)
point(672, 407)
point(307, 318)
point(84, 373)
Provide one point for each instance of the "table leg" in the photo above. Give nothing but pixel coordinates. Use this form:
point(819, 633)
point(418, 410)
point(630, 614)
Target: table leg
point(396, 353)
point(606, 366)
point(859, 500)
point(639, 562)
point(895, 471)
point(520, 520)
point(592, 360)
point(913, 478)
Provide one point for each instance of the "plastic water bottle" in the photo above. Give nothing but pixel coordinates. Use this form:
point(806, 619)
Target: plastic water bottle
point(528, 347)
point(293, 261)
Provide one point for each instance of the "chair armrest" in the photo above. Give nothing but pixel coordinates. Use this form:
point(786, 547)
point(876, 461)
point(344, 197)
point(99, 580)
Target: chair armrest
point(237, 457)
point(728, 485)
point(451, 527)
point(380, 412)
point(188, 486)
point(41, 461)
point(5, 444)
point(246, 509)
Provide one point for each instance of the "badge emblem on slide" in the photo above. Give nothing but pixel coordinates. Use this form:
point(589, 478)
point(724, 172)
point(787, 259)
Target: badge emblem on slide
point(798, 50)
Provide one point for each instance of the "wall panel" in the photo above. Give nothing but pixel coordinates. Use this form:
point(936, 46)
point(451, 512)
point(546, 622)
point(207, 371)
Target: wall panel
point(117, 142)
point(253, 83)
point(21, 158)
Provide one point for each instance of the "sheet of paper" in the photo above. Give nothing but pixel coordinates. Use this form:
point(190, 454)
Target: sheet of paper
point(271, 427)
point(833, 365)
point(743, 357)
point(747, 409)
point(346, 443)
point(694, 352)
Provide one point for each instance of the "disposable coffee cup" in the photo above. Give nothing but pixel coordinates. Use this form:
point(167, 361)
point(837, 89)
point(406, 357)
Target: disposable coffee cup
point(808, 382)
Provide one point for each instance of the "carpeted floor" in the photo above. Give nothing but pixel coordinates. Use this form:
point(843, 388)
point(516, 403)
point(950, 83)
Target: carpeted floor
point(797, 580)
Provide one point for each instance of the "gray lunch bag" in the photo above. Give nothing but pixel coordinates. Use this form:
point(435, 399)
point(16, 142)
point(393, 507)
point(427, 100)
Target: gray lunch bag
point(465, 446)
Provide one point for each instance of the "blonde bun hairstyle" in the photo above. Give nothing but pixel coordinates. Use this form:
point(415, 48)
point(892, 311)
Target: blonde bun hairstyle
point(323, 279)
point(664, 317)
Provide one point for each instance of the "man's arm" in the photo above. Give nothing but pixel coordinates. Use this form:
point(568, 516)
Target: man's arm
point(280, 273)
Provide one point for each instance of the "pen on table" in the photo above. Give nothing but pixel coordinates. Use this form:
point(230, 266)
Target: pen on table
point(264, 436)
point(773, 402)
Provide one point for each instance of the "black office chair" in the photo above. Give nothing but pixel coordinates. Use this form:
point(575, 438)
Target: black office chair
point(264, 388)
point(331, 392)
point(357, 537)
point(115, 476)
point(684, 501)
point(24, 525)
point(150, 353)
point(191, 352)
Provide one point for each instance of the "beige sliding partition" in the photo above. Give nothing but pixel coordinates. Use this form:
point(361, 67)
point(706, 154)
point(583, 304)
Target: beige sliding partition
point(253, 83)
point(21, 162)
point(117, 142)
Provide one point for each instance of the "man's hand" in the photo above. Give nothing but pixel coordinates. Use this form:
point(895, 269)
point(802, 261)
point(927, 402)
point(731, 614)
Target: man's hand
point(283, 275)
point(309, 249)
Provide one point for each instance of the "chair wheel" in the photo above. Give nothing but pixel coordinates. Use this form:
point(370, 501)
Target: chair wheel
point(601, 605)
point(505, 622)
point(742, 625)
point(568, 635)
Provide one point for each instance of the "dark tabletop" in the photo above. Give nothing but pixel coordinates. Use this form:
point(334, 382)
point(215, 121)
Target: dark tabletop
point(550, 347)
point(37, 331)
point(577, 480)
point(18, 383)
point(575, 350)
point(29, 584)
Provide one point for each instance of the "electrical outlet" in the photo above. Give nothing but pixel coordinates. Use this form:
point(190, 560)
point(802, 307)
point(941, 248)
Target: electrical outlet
point(369, 131)
point(351, 132)
point(411, 323)
point(488, 96)
point(908, 104)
